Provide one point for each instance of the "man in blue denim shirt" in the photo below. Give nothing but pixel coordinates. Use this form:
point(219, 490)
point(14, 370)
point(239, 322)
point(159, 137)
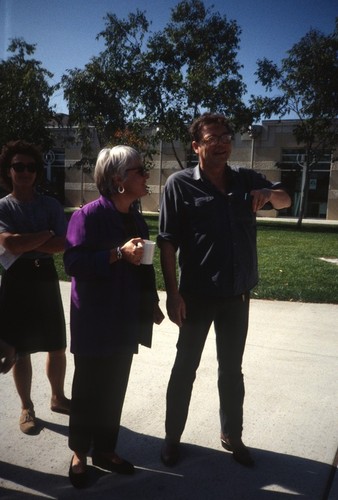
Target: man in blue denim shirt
point(208, 215)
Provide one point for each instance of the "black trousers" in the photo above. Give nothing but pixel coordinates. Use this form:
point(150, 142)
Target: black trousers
point(230, 317)
point(98, 391)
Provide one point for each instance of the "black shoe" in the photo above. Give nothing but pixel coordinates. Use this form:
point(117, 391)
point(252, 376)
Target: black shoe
point(105, 463)
point(78, 480)
point(240, 452)
point(170, 452)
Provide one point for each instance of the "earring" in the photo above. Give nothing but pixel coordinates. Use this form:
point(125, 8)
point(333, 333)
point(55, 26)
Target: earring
point(120, 189)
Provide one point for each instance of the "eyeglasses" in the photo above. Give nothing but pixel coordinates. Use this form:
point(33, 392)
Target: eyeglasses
point(213, 140)
point(21, 167)
point(139, 170)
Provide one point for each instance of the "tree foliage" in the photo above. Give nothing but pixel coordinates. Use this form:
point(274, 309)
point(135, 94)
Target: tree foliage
point(24, 96)
point(305, 84)
point(163, 79)
point(192, 67)
point(104, 93)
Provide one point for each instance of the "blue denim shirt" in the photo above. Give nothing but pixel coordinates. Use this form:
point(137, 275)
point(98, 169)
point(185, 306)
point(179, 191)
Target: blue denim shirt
point(214, 233)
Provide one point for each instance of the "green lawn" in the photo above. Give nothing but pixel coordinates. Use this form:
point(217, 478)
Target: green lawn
point(289, 262)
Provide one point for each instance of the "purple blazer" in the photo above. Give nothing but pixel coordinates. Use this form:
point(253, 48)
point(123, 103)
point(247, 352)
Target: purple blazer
point(111, 304)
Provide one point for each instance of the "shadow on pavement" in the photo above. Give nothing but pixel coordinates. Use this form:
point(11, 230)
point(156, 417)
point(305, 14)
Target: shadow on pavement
point(53, 427)
point(202, 474)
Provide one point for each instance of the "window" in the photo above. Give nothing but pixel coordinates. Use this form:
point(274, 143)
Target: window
point(293, 159)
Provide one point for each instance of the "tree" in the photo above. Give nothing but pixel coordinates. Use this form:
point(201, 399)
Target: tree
point(192, 67)
point(24, 96)
point(103, 93)
point(306, 84)
point(161, 80)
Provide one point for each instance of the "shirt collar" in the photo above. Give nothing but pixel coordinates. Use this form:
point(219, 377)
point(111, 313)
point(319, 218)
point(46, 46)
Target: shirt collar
point(197, 172)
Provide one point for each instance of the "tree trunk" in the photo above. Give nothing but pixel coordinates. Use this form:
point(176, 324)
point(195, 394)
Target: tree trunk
point(304, 191)
point(175, 154)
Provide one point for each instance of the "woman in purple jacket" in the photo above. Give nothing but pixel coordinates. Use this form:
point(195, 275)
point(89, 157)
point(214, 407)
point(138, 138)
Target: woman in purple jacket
point(114, 304)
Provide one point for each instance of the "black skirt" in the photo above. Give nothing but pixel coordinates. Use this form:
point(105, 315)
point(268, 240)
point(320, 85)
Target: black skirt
point(31, 311)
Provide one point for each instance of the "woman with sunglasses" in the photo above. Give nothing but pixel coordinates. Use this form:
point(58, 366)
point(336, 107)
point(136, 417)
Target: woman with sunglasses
point(32, 229)
point(114, 304)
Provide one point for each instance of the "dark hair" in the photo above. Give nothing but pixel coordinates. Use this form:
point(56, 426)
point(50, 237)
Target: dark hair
point(13, 148)
point(195, 128)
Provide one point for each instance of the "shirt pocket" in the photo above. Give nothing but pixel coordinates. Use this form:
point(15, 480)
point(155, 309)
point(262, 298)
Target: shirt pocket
point(201, 213)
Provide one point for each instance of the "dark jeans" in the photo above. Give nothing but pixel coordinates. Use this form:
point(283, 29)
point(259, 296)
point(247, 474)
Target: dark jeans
point(230, 317)
point(98, 391)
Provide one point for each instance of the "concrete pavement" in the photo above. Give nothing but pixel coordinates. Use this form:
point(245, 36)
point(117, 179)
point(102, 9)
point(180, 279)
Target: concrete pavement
point(290, 419)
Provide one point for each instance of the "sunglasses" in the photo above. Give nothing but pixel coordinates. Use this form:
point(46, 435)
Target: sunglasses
point(21, 167)
point(140, 170)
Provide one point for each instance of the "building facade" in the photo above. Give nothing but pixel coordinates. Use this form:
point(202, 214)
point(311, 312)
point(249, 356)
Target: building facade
point(269, 148)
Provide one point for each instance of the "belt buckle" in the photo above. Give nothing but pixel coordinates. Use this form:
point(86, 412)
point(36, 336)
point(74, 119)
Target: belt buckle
point(37, 262)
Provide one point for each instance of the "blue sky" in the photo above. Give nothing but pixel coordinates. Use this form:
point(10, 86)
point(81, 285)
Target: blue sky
point(65, 30)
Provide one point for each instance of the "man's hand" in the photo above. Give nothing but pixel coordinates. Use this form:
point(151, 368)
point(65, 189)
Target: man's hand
point(277, 197)
point(259, 198)
point(176, 308)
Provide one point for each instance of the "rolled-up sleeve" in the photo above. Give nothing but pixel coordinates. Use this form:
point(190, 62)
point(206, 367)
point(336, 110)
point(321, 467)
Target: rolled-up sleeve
point(170, 220)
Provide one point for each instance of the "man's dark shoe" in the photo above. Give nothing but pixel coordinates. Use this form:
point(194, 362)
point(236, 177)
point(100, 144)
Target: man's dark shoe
point(240, 452)
point(170, 452)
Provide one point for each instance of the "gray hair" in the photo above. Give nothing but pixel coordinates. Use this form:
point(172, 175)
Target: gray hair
point(111, 162)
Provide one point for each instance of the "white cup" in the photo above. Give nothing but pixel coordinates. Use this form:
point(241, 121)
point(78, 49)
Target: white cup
point(148, 252)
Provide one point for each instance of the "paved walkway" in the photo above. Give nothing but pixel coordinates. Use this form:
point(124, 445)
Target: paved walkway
point(305, 222)
point(291, 410)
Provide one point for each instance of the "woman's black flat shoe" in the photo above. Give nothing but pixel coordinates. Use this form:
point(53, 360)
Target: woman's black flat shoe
point(105, 463)
point(78, 480)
